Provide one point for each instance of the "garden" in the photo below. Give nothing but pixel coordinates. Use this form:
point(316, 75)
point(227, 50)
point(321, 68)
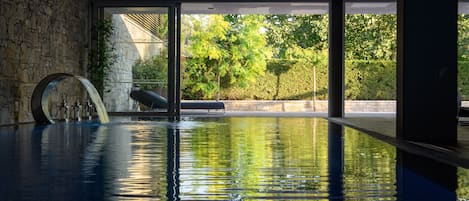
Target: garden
point(285, 57)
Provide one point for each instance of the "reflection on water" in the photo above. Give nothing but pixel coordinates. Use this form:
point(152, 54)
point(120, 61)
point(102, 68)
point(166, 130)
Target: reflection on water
point(369, 169)
point(254, 158)
point(215, 159)
point(271, 158)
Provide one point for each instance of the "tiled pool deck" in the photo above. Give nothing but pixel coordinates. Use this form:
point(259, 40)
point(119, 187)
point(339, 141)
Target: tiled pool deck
point(384, 128)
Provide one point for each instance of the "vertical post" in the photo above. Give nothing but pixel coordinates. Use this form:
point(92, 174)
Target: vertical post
point(314, 88)
point(336, 58)
point(171, 61)
point(178, 60)
point(427, 71)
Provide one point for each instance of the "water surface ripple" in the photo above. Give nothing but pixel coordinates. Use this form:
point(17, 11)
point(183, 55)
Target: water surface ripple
point(209, 159)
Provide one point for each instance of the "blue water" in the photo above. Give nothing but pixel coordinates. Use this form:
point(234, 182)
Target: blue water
point(232, 158)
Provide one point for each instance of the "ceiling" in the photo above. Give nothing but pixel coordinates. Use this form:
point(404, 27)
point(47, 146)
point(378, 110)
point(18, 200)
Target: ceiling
point(284, 8)
point(382, 7)
point(351, 7)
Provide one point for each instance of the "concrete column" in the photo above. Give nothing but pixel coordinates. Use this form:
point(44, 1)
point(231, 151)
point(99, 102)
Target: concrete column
point(336, 58)
point(427, 71)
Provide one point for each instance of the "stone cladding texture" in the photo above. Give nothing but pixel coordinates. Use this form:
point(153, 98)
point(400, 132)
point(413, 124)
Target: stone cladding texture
point(37, 38)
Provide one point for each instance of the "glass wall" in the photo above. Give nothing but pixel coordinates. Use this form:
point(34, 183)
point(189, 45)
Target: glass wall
point(256, 56)
point(138, 57)
point(463, 52)
point(370, 58)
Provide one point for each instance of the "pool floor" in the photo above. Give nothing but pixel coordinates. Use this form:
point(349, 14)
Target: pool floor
point(226, 158)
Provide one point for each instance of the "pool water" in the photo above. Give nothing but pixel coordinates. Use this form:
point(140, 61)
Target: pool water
point(230, 158)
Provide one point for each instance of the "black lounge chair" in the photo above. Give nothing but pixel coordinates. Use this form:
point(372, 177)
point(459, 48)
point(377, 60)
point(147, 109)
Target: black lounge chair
point(155, 101)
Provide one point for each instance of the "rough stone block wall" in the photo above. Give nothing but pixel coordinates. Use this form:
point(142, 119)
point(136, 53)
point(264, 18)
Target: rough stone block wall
point(37, 38)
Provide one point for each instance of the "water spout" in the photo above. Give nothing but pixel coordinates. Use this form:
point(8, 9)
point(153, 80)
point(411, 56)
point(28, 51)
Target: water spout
point(78, 110)
point(40, 107)
point(89, 109)
point(65, 108)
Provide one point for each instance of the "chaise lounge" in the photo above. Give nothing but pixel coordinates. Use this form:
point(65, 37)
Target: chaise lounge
point(156, 101)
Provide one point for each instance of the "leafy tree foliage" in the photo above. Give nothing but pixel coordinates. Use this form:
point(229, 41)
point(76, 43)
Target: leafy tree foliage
point(223, 54)
point(207, 60)
point(370, 37)
point(225, 51)
point(305, 31)
point(154, 70)
point(221, 49)
point(103, 57)
point(463, 37)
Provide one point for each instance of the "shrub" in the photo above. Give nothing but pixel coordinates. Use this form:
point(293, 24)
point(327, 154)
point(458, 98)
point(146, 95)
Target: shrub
point(463, 79)
point(370, 80)
point(151, 73)
point(364, 80)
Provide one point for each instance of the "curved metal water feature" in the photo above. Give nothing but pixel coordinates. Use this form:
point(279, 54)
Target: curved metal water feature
point(40, 107)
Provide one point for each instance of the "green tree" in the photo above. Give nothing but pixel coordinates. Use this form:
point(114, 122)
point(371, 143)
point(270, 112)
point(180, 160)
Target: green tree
point(247, 48)
point(287, 31)
point(224, 51)
point(463, 37)
point(151, 73)
point(370, 37)
point(206, 62)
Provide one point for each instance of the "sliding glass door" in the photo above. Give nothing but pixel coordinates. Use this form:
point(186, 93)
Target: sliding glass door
point(140, 60)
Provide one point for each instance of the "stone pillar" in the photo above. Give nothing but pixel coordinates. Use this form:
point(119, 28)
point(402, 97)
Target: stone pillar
point(427, 71)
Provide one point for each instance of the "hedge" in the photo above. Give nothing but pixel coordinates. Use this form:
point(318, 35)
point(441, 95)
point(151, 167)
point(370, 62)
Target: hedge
point(463, 79)
point(370, 80)
point(364, 80)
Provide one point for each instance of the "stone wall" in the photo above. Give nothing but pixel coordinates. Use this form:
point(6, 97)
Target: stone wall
point(131, 43)
point(37, 38)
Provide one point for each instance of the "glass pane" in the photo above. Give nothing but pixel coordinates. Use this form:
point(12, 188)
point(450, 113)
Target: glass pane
point(370, 58)
point(140, 61)
point(463, 52)
point(256, 56)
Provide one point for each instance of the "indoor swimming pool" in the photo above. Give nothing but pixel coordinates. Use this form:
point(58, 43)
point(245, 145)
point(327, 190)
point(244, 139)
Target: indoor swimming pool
point(226, 158)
